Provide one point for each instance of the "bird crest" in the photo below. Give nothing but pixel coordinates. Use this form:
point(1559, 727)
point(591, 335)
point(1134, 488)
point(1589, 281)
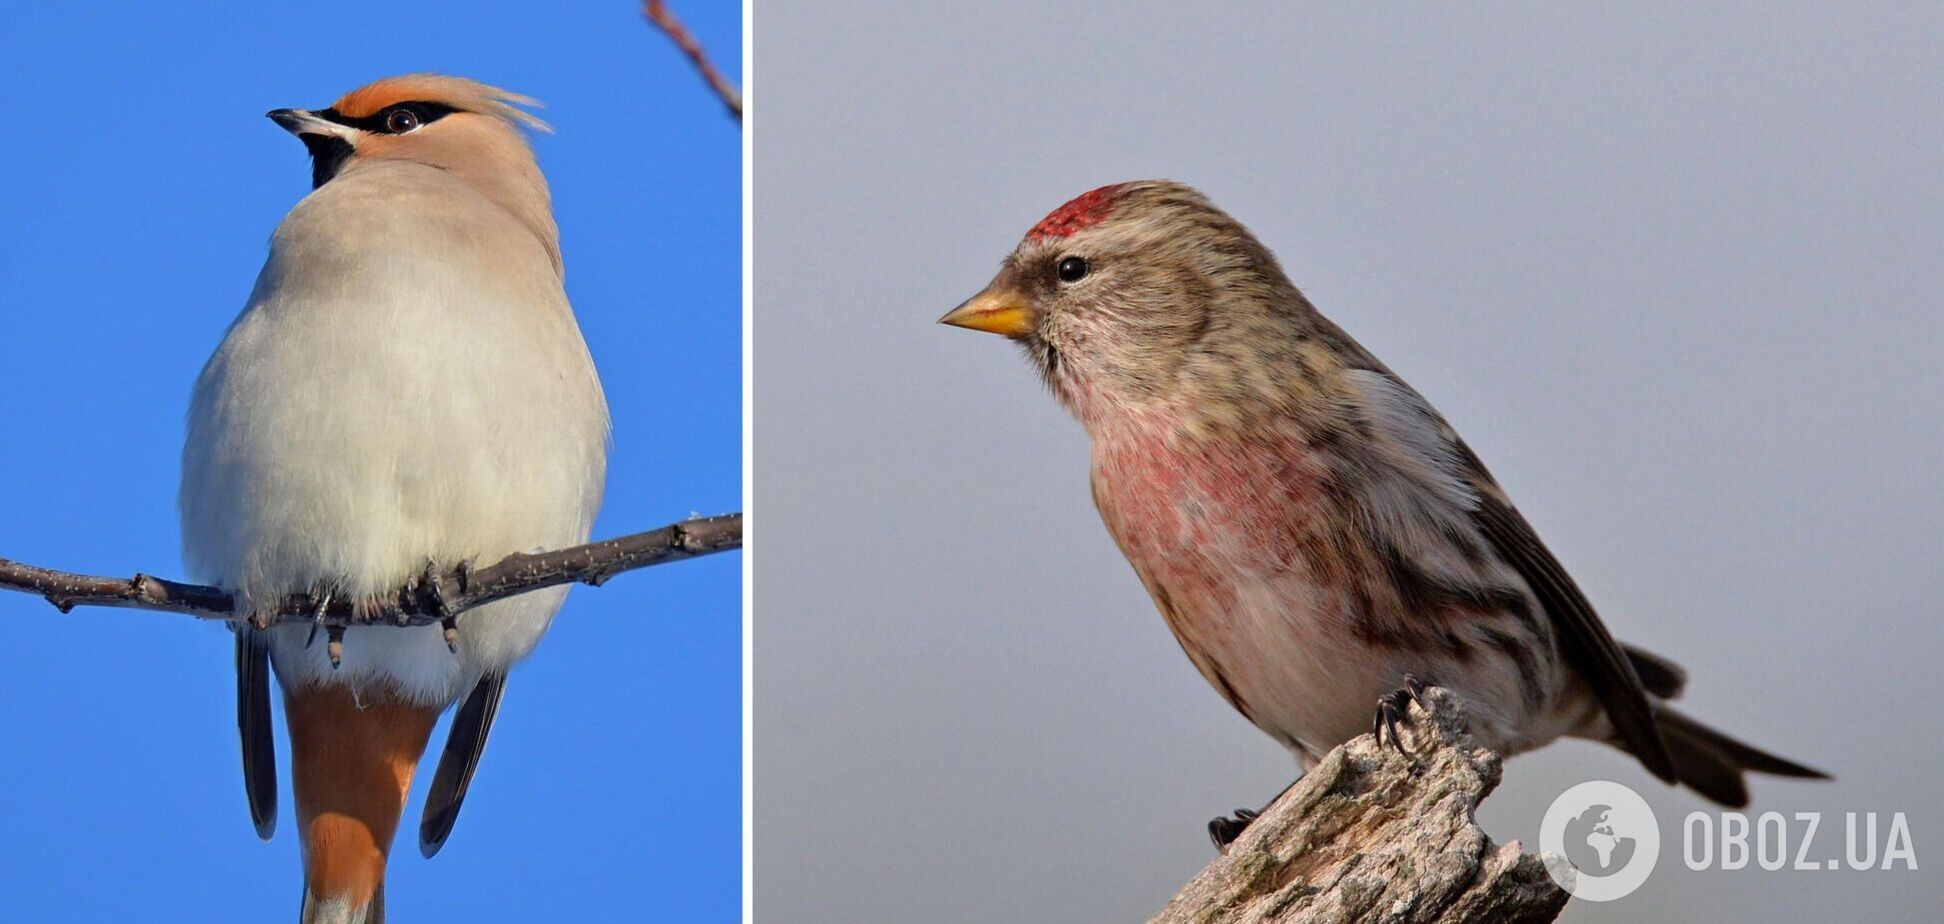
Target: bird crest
point(457, 92)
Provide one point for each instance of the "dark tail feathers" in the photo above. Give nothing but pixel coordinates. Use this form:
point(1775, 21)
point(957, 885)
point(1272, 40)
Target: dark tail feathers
point(1705, 760)
point(1712, 763)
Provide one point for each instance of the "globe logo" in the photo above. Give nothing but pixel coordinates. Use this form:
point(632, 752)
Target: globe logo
point(1591, 844)
point(1599, 840)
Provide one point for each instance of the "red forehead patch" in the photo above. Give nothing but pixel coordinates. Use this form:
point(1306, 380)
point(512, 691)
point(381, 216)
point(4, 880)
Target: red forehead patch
point(1089, 208)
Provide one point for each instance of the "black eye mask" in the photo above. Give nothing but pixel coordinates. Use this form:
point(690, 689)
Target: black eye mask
point(378, 122)
point(329, 152)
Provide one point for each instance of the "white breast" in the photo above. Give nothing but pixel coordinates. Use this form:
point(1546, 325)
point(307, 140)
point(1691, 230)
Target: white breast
point(407, 384)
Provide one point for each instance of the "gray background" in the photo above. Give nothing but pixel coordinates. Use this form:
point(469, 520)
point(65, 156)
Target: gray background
point(1675, 274)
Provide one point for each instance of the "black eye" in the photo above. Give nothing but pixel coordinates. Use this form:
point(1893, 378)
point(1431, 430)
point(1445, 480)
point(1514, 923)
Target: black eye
point(401, 120)
point(1072, 269)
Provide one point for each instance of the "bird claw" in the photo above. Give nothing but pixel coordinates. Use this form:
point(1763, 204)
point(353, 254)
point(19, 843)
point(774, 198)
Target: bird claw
point(1224, 830)
point(1416, 688)
point(335, 646)
point(318, 609)
point(1394, 707)
point(428, 591)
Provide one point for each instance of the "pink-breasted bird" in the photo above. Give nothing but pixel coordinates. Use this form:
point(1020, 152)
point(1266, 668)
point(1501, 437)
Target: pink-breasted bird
point(1320, 541)
point(406, 388)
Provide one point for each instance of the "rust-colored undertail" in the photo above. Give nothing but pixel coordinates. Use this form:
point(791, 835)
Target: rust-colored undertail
point(351, 766)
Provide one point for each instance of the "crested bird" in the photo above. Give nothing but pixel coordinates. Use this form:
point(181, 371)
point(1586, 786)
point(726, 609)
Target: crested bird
point(1321, 542)
point(405, 391)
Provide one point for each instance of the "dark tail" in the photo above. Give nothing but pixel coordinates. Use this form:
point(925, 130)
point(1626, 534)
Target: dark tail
point(1713, 764)
point(1705, 760)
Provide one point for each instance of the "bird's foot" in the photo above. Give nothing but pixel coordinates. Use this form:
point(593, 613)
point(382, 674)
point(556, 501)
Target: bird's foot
point(1224, 830)
point(428, 593)
point(448, 620)
point(1395, 707)
point(318, 609)
point(334, 646)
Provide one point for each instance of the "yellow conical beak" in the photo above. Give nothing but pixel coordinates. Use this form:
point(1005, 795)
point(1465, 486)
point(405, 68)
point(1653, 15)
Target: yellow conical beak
point(995, 311)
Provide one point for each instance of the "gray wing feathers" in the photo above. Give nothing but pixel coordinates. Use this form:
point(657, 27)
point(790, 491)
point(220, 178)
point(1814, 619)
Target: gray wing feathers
point(253, 726)
point(464, 745)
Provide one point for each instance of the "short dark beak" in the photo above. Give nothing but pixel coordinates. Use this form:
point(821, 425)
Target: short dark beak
point(302, 122)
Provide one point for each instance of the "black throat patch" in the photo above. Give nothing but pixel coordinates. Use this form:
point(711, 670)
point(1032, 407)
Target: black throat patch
point(328, 154)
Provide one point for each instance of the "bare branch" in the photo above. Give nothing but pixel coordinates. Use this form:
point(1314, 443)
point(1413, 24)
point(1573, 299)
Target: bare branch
point(1373, 835)
point(421, 602)
point(658, 14)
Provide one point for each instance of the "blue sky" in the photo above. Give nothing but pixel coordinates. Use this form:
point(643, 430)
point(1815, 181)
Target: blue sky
point(141, 183)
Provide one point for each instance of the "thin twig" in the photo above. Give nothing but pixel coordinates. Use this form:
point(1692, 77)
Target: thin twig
point(419, 603)
point(657, 13)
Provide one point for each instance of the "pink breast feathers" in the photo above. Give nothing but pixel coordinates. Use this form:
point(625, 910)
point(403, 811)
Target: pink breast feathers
point(1250, 504)
point(1089, 208)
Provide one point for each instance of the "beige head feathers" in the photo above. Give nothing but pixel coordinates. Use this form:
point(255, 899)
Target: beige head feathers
point(465, 128)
